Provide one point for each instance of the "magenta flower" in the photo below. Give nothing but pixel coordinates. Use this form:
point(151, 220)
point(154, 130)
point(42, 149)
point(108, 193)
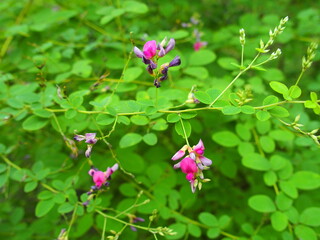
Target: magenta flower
point(198, 45)
point(193, 164)
point(100, 178)
point(150, 49)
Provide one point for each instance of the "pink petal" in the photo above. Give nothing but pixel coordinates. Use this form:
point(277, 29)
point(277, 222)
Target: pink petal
point(176, 165)
point(188, 165)
point(150, 49)
point(199, 148)
point(99, 178)
point(178, 155)
point(91, 172)
point(190, 176)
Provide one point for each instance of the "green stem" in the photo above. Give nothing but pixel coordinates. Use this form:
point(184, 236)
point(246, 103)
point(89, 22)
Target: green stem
point(242, 54)
point(300, 76)
point(184, 131)
point(10, 163)
point(104, 229)
point(233, 81)
point(72, 219)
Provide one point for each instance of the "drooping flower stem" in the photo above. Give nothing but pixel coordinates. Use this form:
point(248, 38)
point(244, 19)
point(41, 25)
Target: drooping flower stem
point(184, 132)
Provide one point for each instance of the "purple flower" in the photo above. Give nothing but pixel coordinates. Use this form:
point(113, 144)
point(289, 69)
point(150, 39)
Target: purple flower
point(134, 219)
point(89, 138)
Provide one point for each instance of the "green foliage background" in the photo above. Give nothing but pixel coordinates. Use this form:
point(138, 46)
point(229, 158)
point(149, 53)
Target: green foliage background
point(265, 175)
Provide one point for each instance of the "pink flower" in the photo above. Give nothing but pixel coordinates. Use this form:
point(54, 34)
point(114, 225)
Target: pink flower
point(150, 49)
point(100, 178)
point(193, 164)
point(189, 167)
point(198, 45)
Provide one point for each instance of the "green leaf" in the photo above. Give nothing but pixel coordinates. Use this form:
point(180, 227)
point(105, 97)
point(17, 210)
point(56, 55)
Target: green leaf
point(267, 144)
point(279, 221)
point(305, 233)
point(310, 217)
point(70, 113)
point(114, 12)
point(33, 123)
point(279, 112)
point(270, 100)
point(208, 219)
point(187, 128)
point(270, 178)
point(262, 115)
point(294, 91)
point(135, 7)
point(103, 119)
point(203, 97)
point(82, 68)
point(247, 109)
point(256, 161)
point(288, 188)
point(188, 115)
point(130, 139)
point(150, 139)
point(231, 110)
point(179, 229)
point(261, 203)
point(194, 230)
point(313, 97)
point(243, 132)
point(277, 162)
point(306, 180)
point(65, 208)
point(202, 57)
point(132, 73)
point(173, 117)
point(279, 87)
point(139, 120)
point(226, 138)
point(198, 72)
point(228, 63)
point(282, 135)
point(213, 232)
point(43, 207)
point(283, 202)
point(30, 186)
point(3, 167)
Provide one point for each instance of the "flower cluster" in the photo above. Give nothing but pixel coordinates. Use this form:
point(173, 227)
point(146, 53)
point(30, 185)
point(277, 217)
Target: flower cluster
point(195, 23)
point(150, 55)
point(101, 178)
point(90, 139)
point(193, 164)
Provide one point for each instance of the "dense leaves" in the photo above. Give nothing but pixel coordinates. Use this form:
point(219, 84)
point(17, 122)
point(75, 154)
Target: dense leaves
point(68, 69)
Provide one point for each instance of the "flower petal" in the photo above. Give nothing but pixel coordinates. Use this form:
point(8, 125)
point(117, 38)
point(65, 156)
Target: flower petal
point(170, 45)
point(79, 137)
point(175, 62)
point(205, 161)
point(178, 155)
point(138, 52)
point(150, 49)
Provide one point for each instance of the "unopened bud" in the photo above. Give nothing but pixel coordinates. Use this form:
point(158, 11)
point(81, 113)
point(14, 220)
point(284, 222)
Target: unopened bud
point(242, 36)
